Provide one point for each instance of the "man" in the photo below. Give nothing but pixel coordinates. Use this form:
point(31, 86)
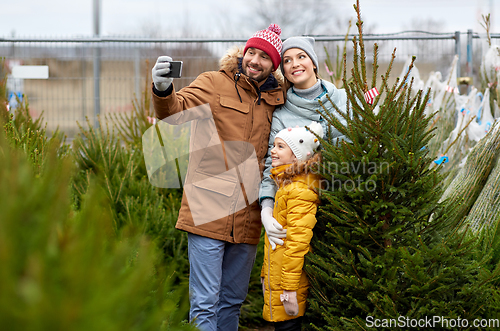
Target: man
point(240, 99)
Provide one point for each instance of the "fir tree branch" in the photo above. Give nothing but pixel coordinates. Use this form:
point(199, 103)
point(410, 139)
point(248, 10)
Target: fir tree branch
point(128, 174)
point(403, 81)
point(375, 66)
point(387, 73)
point(458, 135)
point(344, 74)
point(356, 76)
point(486, 24)
point(409, 98)
point(359, 24)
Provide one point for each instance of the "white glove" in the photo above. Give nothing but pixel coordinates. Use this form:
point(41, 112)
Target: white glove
point(263, 286)
point(289, 299)
point(161, 68)
point(274, 230)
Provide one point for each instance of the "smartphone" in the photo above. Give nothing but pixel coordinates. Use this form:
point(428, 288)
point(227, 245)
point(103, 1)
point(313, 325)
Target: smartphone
point(175, 69)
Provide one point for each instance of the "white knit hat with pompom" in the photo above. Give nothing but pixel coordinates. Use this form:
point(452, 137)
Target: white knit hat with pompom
point(301, 141)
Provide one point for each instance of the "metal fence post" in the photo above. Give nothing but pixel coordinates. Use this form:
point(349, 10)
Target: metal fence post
point(469, 58)
point(97, 84)
point(457, 51)
point(97, 64)
point(84, 48)
point(137, 71)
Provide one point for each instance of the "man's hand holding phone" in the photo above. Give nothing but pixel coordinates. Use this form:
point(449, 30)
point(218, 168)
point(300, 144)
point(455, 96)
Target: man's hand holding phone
point(164, 71)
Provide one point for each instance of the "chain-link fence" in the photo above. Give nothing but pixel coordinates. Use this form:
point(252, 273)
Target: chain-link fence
point(95, 76)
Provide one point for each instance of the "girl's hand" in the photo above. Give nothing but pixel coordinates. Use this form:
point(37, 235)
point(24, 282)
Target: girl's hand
point(263, 286)
point(289, 299)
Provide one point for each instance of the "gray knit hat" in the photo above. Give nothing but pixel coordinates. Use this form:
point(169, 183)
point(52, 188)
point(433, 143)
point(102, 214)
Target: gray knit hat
point(304, 43)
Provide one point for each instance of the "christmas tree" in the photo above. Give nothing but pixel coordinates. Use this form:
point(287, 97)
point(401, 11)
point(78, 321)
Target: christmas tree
point(382, 253)
point(71, 258)
point(462, 195)
point(112, 154)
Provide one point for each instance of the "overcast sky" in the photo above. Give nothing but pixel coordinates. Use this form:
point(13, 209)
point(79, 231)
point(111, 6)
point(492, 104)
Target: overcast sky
point(66, 18)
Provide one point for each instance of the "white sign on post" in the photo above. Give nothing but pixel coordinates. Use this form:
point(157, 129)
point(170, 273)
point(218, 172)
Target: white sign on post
point(15, 83)
point(30, 72)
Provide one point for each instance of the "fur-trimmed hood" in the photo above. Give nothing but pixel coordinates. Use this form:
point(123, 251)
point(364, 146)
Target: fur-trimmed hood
point(230, 63)
point(306, 172)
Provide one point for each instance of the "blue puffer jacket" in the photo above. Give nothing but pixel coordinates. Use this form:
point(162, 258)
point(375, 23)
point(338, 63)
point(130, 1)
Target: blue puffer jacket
point(300, 111)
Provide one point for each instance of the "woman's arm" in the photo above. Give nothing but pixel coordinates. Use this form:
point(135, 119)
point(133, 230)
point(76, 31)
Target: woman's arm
point(267, 186)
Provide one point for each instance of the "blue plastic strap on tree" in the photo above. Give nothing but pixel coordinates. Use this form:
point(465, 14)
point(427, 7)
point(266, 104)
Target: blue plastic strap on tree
point(488, 127)
point(441, 159)
point(478, 118)
point(407, 73)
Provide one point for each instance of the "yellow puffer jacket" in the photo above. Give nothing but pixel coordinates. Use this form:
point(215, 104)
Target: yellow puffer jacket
point(295, 209)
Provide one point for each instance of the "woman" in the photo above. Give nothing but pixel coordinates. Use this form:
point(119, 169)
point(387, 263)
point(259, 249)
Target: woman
point(299, 65)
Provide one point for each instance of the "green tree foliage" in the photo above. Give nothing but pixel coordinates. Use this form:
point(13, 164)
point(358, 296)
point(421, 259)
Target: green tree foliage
point(376, 252)
point(69, 270)
point(3, 91)
point(24, 132)
point(29, 135)
point(66, 264)
point(113, 153)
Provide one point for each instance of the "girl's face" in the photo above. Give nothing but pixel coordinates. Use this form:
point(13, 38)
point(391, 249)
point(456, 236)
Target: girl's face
point(281, 153)
point(299, 68)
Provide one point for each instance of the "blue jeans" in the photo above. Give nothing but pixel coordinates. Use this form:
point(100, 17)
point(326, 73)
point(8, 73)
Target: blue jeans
point(218, 281)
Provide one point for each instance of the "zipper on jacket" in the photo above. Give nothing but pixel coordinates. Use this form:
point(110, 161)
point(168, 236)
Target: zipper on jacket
point(269, 281)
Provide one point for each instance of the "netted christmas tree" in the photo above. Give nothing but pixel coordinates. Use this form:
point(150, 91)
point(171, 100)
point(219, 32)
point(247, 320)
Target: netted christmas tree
point(473, 191)
point(489, 70)
point(381, 248)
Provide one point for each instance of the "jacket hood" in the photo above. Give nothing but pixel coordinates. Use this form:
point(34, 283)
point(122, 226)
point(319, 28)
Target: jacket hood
point(231, 63)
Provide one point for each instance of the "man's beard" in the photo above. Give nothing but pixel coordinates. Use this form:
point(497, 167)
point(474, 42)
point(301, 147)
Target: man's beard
point(257, 77)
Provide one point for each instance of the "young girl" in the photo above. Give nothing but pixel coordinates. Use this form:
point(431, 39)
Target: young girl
point(299, 65)
point(284, 283)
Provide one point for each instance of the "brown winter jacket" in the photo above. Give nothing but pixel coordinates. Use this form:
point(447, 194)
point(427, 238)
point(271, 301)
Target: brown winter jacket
point(229, 137)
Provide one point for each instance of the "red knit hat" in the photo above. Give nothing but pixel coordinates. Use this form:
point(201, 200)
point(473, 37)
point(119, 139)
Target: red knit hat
point(269, 41)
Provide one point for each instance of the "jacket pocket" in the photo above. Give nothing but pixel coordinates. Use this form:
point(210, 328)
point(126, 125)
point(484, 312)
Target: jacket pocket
point(211, 197)
point(235, 104)
point(232, 118)
point(224, 183)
